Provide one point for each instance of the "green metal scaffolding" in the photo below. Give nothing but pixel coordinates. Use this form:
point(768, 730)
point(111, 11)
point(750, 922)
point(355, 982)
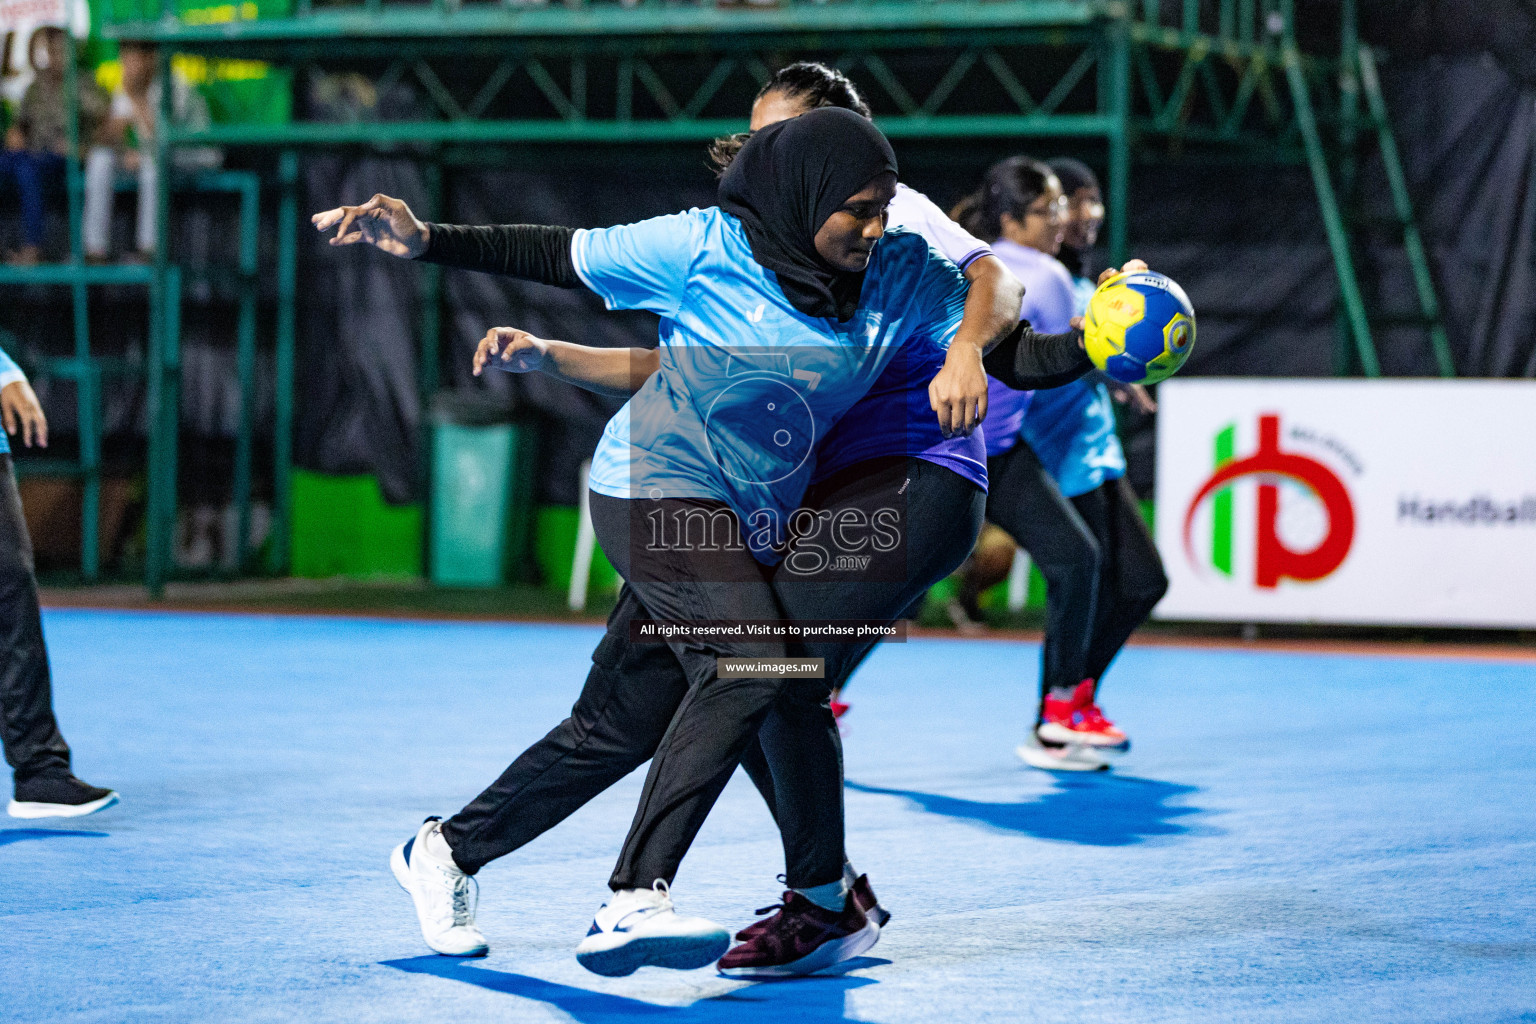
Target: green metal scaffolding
point(1226, 76)
point(161, 366)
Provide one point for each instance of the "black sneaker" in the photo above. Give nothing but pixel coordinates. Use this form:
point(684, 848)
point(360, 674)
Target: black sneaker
point(58, 796)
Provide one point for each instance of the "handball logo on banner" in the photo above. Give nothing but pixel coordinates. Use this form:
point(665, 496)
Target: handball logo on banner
point(1308, 485)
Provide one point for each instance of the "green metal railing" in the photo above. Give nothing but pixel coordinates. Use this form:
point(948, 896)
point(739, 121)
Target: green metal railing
point(161, 369)
point(663, 65)
point(1224, 75)
point(1402, 205)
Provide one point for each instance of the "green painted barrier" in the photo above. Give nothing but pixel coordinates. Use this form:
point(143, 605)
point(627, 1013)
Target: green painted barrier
point(555, 548)
point(343, 527)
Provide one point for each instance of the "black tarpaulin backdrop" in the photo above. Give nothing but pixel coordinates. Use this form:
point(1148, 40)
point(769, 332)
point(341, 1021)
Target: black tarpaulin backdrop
point(1246, 242)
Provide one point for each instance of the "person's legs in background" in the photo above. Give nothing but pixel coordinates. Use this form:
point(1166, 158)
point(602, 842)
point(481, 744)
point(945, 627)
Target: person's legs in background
point(1132, 579)
point(32, 171)
point(149, 187)
point(1131, 582)
point(96, 212)
point(1025, 501)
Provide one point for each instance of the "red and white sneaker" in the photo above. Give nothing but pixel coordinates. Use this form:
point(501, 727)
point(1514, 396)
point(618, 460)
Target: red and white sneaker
point(839, 709)
point(1079, 721)
point(1061, 757)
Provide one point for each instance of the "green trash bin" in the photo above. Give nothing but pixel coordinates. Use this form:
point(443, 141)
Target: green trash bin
point(472, 485)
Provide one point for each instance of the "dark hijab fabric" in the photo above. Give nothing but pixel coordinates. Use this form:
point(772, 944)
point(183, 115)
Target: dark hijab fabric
point(784, 184)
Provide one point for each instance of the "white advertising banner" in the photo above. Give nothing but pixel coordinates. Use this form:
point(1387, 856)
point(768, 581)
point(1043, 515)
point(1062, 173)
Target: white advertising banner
point(1408, 502)
point(20, 14)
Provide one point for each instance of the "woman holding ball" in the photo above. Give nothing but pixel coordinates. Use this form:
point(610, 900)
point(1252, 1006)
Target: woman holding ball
point(1056, 471)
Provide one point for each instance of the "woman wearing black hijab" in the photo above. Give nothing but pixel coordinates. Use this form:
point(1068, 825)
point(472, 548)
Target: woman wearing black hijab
point(780, 310)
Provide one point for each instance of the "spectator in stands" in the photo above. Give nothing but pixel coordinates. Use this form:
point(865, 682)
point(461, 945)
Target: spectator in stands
point(38, 143)
point(127, 140)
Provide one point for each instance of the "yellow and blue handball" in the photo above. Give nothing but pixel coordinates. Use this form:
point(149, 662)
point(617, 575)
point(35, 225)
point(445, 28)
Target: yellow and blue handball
point(1139, 328)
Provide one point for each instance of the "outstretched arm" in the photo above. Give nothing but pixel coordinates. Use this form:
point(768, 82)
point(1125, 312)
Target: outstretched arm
point(958, 392)
point(533, 252)
point(617, 372)
point(1028, 360)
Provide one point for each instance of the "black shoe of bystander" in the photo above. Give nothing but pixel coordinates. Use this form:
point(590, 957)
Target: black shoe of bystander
point(58, 796)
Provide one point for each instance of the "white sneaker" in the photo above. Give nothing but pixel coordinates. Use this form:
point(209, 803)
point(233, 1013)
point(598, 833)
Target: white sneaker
point(639, 928)
point(441, 893)
point(1069, 757)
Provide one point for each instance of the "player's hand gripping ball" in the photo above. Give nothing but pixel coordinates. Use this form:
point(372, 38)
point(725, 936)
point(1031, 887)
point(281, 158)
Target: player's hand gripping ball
point(1139, 328)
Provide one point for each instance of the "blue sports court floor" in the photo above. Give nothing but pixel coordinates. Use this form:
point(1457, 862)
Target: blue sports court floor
point(1296, 838)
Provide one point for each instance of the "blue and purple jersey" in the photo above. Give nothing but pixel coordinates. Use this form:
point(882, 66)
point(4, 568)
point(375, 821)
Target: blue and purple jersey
point(748, 385)
point(894, 418)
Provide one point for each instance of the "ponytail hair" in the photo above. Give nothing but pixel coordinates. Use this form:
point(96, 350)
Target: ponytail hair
point(724, 149)
point(814, 85)
point(1009, 187)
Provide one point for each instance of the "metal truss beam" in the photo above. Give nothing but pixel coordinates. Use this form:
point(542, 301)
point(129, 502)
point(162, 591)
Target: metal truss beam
point(972, 88)
point(396, 133)
point(353, 22)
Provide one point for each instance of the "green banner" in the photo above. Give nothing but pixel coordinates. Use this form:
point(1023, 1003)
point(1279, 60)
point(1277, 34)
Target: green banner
point(238, 91)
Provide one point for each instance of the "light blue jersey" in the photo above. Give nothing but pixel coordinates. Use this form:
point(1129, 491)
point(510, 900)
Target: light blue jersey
point(747, 384)
point(1072, 428)
point(9, 374)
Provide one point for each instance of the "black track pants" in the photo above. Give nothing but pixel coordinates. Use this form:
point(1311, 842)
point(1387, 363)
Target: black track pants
point(1102, 571)
point(942, 513)
point(1131, 576)
point(634, 690)
point(1024, 501)
point(28, 731)
point(631, 694)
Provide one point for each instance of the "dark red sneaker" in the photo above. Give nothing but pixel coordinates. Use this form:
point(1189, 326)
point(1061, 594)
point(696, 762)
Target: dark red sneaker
point(839, 709)
point(751, 931)
point(801, 938)
point(861, 894)
point(864, 896)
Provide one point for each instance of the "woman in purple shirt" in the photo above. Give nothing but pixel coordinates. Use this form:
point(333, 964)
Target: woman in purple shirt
point(1021, 209)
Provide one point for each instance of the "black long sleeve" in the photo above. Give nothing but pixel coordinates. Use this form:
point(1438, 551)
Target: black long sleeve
point(533, 252)
point(1027, 360)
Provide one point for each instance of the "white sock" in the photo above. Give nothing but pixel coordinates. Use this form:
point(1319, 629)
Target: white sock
point(833, 896)
point(850, 876)
point(437, 847)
